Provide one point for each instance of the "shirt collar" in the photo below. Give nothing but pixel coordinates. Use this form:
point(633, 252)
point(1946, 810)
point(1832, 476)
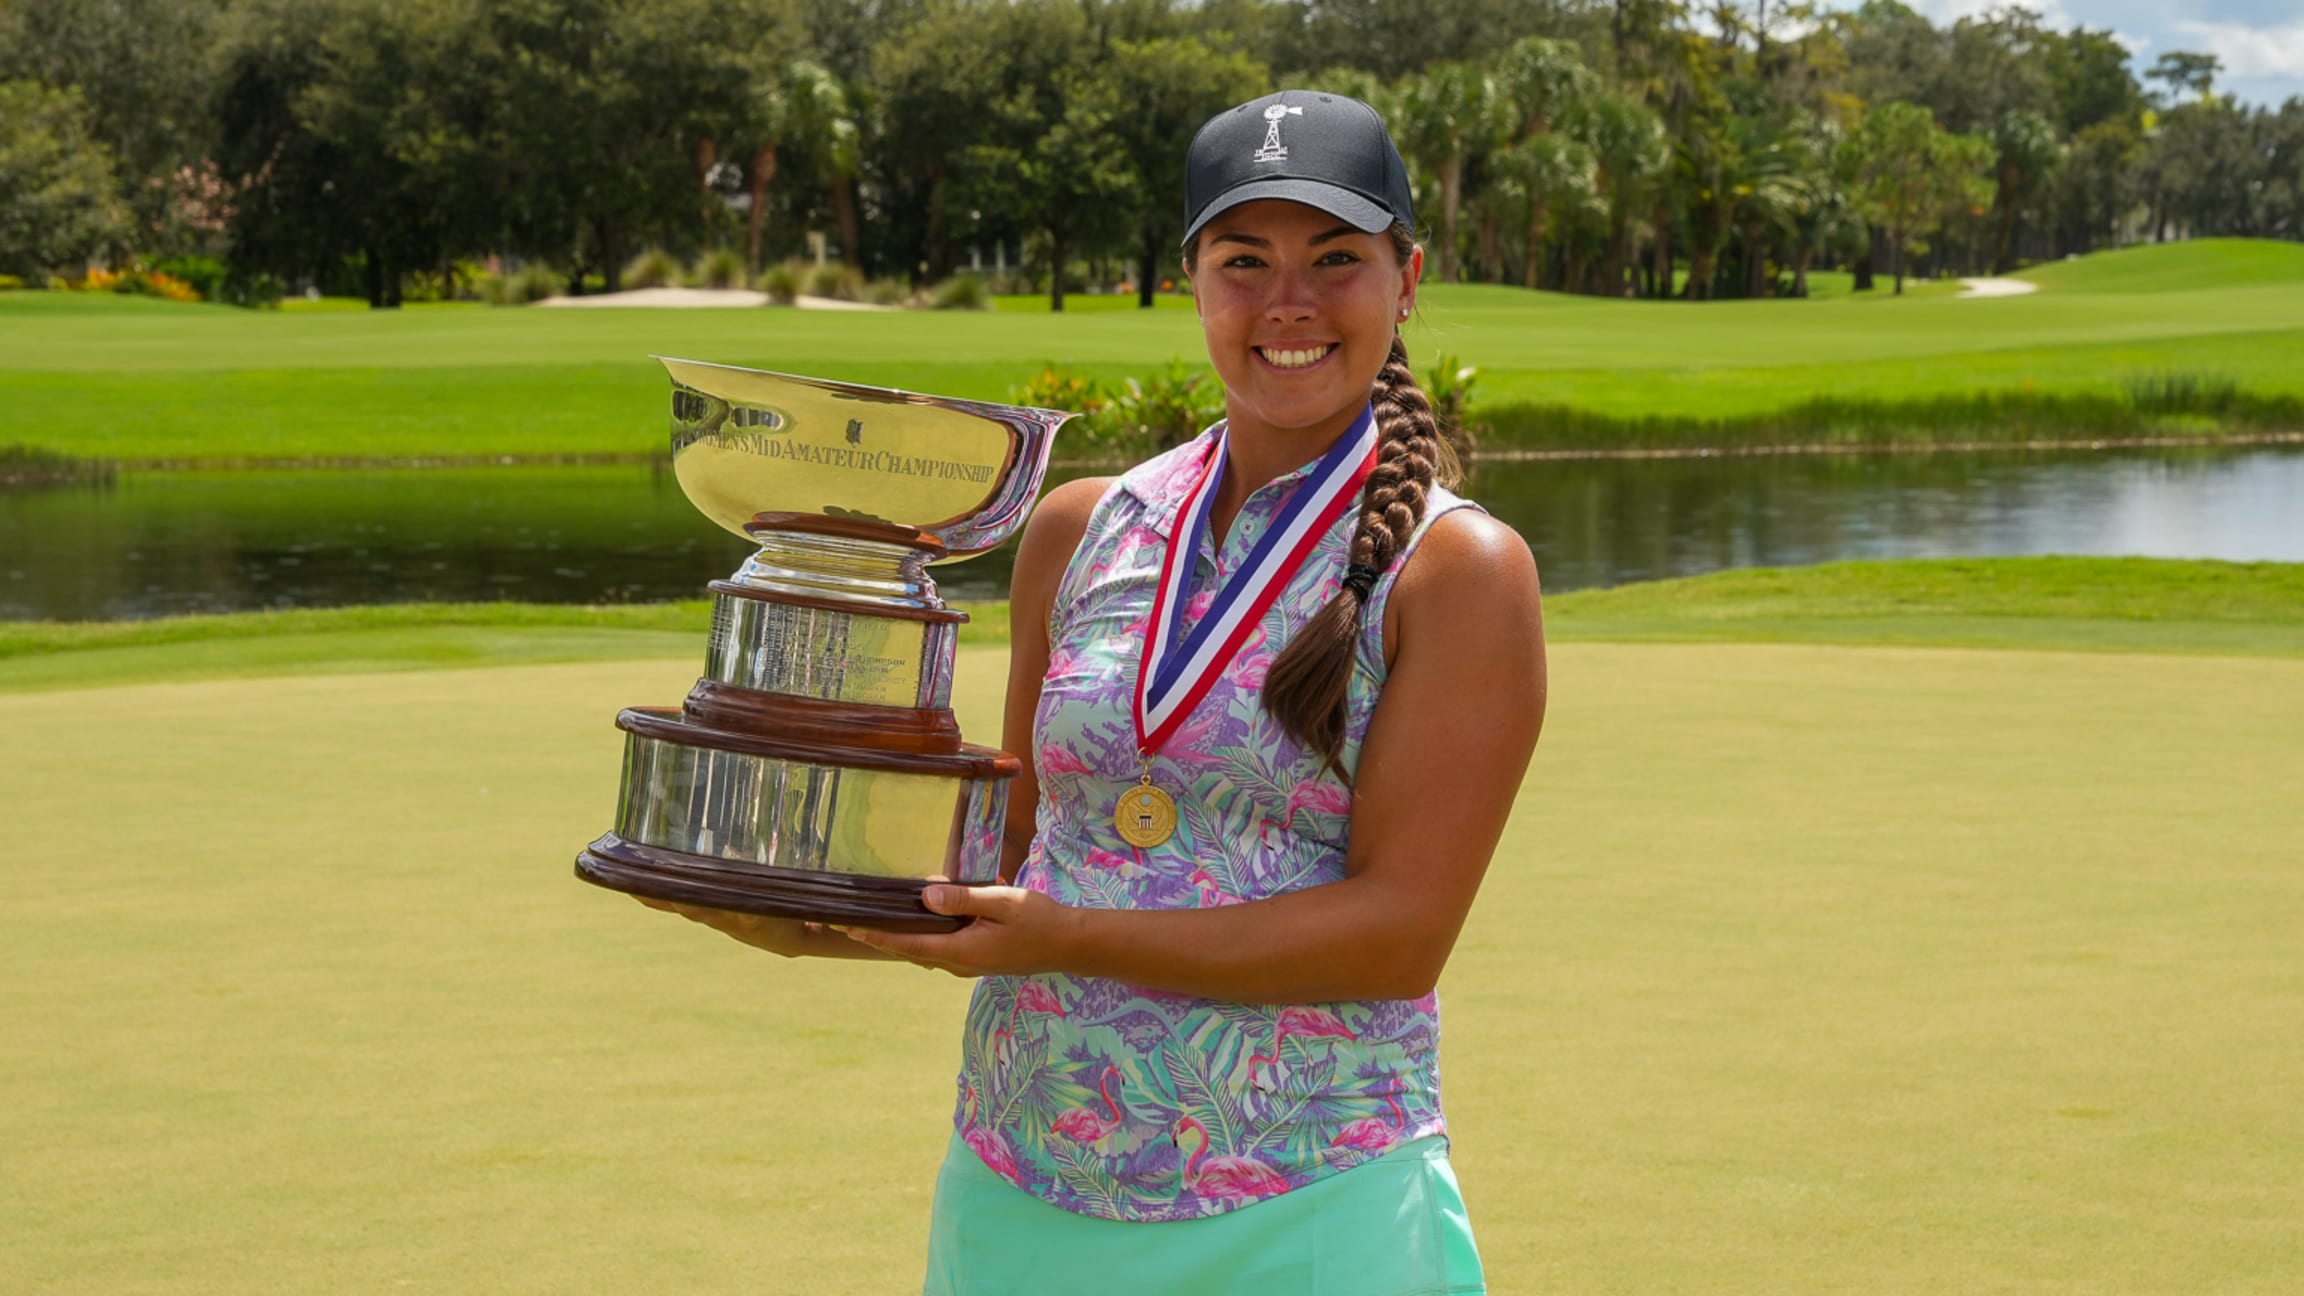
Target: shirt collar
point(1168, 479)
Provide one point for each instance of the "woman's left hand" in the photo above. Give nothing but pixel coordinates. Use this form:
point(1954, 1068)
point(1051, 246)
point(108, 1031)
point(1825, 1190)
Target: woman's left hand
point(1015, 932)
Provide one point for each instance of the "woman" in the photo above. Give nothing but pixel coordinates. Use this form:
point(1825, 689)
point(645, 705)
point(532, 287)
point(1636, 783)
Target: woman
point(1282, 687)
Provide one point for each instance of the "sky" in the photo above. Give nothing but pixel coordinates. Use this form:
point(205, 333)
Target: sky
point(2260, 41)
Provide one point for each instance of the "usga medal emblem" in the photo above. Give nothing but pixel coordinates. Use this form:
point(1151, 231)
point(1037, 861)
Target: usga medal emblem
point(1146, 815)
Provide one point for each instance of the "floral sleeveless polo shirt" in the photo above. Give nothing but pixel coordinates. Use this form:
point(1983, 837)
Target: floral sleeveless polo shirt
point(1124, 1102)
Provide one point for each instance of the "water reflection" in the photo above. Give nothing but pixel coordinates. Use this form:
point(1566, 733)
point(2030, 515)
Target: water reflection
point(1608, 522)
point(155, 544)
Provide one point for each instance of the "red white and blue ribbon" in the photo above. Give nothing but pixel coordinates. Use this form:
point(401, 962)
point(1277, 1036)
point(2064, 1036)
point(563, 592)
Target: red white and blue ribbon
point(1178, 669)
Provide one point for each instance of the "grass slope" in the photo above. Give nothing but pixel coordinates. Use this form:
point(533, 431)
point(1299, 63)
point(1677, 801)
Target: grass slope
point(135, 379)
point(334, 641)
point(2069, 604)
point(2174, 267)
point(1964, 972)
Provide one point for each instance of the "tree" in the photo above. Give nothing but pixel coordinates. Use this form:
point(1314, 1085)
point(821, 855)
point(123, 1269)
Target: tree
point(941, 86)
point(1444, 116)
point(1893, 53)
point(2205, 167)
point(607, 101)
point(56, 181)
point(800, 103)
point(2099, 183)
point(2187, 76)
point(1543, 175)
point(1542, 87)
point(146, 72)
point(1170, 86)
point(1827, 219)
point(1993, 66)
point(1773, 182)
point(1909, 175)
point(1629, 153)
point(2029, 155)
point(399, 104)
point(1071, 181)
point(2089, 78)
point(1396, 39)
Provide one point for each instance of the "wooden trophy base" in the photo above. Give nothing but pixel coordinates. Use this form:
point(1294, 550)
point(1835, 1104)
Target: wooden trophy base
point(850, 900)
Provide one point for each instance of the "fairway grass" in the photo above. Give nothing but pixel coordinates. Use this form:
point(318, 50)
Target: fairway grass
point(141, 381)
point(2066, 604)
point(1800, 969)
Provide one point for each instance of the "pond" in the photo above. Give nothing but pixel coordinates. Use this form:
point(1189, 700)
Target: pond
point(154, 544)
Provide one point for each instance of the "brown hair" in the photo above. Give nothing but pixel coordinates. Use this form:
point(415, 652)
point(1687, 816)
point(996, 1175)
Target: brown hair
point(1304, 690)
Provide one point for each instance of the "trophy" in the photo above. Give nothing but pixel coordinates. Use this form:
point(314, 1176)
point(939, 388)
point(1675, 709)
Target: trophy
point(815, 771)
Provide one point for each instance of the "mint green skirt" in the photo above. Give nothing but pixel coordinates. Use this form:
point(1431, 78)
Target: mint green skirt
point(1394, 1226)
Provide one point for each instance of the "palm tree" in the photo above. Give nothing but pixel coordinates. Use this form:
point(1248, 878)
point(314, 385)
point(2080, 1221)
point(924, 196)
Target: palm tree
point(1827, 219)
point(1543, 85)
point(1544, 174)
point(2029, 152)
point(1769, 187)
point(1443, 117)
point(1628, 144)
point(801, 102)
point(843, 140)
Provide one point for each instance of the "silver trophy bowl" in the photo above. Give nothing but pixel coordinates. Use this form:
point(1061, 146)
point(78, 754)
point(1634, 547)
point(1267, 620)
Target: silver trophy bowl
point(815, 770)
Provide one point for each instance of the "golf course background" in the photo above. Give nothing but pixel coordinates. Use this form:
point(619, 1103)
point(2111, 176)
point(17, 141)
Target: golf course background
point(1803, 967)
point(1870, 927)
point(2186, 338)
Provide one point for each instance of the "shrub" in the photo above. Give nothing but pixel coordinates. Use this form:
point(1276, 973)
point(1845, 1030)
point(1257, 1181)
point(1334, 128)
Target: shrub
point(1165, 410)
point(1142, 416)
point(532, 282)
point(1059, 389)
point(255, 291)
point(11, 283)
point(205, 274)
point(23, 465)
point(962, 292)
point(782, 282)
point(836, 279)
point(720, 268)
point(427, 286)
point(1449, 387)
point(139, 282)
point(654, 268)
point(887, 292)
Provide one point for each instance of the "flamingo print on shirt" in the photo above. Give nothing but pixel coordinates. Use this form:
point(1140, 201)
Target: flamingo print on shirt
point(1370, 1134)
point(1223, 1176)
point(1086, 1124)
point(1225, 1104)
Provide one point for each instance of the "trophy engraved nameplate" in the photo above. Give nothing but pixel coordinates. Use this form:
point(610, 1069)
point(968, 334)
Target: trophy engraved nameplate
point(815, 770)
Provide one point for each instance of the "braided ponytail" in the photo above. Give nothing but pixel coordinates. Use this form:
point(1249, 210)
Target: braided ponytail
point(1304, 690)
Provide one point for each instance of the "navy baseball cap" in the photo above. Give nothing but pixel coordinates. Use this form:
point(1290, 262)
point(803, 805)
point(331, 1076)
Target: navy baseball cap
point(1323, 150)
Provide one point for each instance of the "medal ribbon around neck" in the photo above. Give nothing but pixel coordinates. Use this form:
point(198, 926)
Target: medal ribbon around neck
point(1177, 669)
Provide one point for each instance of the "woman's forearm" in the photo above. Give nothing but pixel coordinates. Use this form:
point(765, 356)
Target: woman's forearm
point(1341, 940)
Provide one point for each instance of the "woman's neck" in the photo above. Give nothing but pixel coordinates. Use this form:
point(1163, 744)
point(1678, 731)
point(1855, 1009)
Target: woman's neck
point(1254, 454)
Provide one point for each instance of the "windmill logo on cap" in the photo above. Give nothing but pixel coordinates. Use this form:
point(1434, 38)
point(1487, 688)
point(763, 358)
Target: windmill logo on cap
point(1273, 150)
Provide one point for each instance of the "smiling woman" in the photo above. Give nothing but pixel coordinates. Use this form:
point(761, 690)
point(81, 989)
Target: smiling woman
point(1280, 686)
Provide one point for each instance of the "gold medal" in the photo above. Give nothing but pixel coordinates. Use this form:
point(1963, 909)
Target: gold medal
point(1146, 815)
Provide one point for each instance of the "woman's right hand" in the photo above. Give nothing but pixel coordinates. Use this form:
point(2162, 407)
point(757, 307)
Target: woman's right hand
point(787, 937)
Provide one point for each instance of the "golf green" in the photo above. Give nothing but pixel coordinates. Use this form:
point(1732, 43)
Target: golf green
point(137, 379)
point(1802, 969)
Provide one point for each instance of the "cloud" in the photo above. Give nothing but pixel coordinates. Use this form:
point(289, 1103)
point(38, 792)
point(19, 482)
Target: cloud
point(2249, 51)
